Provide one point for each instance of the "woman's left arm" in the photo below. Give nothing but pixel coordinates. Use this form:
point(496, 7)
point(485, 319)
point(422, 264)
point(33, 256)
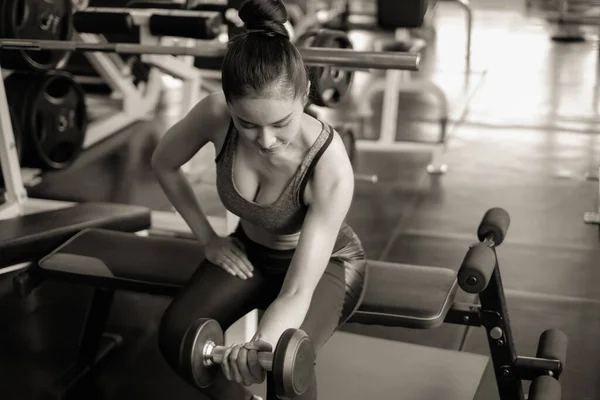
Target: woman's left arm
point(332, 189)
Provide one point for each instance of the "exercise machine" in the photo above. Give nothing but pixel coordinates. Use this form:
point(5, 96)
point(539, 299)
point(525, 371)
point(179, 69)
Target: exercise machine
point(396, 295)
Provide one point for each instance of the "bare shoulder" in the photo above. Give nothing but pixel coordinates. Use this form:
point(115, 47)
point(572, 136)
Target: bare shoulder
point(204, 123)
point(210, 114)
point(333, 172)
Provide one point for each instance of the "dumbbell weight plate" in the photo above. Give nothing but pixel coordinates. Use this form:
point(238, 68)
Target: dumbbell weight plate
point(293, 364)
point(200, 333)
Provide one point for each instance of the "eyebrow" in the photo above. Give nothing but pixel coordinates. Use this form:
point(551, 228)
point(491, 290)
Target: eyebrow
point(273, 123)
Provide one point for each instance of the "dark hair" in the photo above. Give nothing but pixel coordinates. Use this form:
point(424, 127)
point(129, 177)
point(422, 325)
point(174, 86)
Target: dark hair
point(263, 59)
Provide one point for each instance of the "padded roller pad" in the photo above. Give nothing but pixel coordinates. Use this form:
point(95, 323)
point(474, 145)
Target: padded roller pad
point(396, 294)
point(104, 22)
point(403, 295)
point(200, 25)
point(31, 237)
point(394, 14)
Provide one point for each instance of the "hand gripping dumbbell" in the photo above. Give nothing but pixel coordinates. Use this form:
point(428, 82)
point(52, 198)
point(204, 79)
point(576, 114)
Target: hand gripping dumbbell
point(292, 363)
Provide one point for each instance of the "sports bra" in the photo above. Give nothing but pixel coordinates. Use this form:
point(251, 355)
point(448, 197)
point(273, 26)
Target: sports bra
point(286, 214)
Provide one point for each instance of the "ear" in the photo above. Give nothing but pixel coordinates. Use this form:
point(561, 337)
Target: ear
point(307, 93)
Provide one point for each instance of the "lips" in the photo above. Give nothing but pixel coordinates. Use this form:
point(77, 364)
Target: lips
point(269, 150)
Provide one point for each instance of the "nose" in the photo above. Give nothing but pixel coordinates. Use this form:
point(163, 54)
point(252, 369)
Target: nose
point(265, 139)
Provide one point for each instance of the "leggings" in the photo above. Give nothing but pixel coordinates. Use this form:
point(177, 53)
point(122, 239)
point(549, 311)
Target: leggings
point(213, 293)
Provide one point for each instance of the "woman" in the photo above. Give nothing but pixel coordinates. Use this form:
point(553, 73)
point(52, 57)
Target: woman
point(288, 177)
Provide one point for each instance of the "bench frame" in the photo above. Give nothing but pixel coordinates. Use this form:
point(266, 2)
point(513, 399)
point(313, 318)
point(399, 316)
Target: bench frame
point(510, 369)
point(491, 314)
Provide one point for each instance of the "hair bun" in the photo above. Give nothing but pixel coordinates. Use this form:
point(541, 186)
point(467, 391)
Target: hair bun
point(265, 15)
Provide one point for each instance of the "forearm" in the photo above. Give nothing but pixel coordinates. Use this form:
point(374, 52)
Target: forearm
point(284, 313)
point(179, 191)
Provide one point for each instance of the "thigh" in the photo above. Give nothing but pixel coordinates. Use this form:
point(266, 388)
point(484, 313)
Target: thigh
point(210, 293)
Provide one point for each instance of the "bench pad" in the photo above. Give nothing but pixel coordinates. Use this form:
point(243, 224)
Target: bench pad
point(30, 237)
point(396, 294)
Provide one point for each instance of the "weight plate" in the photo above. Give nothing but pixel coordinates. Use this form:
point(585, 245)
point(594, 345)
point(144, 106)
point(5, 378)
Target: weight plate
point(53, 117)
point(192, 350)
point(329, 85)
point(293, 364)
point(39, 20)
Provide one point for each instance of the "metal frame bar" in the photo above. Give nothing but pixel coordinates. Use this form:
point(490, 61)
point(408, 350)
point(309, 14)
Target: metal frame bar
point(394, 83)
point(137, 103)
point(15, 195)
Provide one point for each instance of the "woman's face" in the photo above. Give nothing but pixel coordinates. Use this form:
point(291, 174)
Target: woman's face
point(268, 123)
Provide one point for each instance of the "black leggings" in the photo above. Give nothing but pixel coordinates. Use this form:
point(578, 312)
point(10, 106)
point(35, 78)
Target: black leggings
point(214, 293)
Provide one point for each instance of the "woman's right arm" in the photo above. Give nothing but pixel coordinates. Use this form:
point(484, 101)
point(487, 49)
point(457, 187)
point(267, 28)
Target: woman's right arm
point(179, 144)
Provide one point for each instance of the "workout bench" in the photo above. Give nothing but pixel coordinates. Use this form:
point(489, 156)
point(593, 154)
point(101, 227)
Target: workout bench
point(396, 295)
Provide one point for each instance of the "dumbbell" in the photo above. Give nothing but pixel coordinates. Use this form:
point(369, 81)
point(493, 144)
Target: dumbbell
point(292, 363)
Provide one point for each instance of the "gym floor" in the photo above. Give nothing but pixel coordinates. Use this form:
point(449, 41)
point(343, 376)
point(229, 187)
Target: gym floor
point(522, 136)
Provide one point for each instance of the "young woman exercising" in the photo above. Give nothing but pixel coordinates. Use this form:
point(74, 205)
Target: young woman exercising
point(288, 177)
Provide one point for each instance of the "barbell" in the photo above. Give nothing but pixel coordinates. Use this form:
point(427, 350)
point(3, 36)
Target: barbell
point(339, 58)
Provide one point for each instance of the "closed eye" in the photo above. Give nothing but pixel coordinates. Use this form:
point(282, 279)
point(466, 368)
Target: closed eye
point(282, 125)
point(279, 126)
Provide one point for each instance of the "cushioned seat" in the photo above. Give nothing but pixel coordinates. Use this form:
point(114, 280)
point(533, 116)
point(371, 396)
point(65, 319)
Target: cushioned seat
point(406, 295)
point(33, 236)
point(396, 294)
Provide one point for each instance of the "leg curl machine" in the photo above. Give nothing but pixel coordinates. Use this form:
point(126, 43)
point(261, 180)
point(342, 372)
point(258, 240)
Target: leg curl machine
point(397, 295)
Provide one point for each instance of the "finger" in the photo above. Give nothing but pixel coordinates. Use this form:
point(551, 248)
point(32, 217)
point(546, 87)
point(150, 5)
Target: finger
point(239, 253)
point(259, 345)
point(225, 364)
point(234, 365)
point(229, 265)
point(243, 368)
point(224, 263)
point(256, 370)
point(234, 263)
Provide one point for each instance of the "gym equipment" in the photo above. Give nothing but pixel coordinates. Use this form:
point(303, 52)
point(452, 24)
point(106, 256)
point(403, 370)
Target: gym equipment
point(328, 84)
point(35, 20)
point(52, 114)
point(160, 22)
point(593, 217)
point(396, 295)
point(31, 236)
point(399, 17)
point(406, 14)
point(292, 361)
point(327, 16)
point(349, 142)
point(18, 142)
point(569, 17)
point(192, 24)
point(341, 58)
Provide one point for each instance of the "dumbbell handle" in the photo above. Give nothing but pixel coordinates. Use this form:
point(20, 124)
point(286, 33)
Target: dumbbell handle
point(213, 354)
